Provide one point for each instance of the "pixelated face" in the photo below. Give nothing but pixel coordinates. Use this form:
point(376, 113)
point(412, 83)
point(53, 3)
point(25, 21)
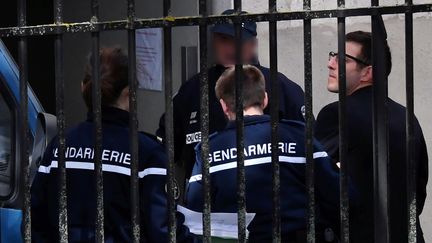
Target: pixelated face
point(353, 69)
point(224, 49)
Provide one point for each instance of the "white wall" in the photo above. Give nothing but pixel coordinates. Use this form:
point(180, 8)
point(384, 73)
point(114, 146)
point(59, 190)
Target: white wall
point(324, 36)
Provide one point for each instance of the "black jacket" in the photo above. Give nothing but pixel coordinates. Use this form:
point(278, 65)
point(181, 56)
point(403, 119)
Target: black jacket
point(187, 111)
point(360, 162)
point(81, 189)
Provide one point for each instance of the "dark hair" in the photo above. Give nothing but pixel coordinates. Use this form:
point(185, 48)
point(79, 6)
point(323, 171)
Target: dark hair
point(253, 87)
point(113, 76)
point(365, 40)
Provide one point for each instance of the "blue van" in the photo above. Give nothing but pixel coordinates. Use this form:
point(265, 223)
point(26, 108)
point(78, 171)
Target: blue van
point(41, 129)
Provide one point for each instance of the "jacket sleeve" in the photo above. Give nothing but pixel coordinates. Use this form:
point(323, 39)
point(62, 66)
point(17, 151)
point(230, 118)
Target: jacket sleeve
point(327, 130)
point(327, 181)
point(327, 188)
point(160, 132)
point(179, 133)
point(422, 168)
point(194, 197)
point(39, 200)
point(154, 202)
point(293, 97)
point(422, 177)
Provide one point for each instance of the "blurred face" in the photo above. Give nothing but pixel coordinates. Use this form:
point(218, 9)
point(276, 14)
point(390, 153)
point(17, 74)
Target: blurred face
point(356, 74)
point(224, 49)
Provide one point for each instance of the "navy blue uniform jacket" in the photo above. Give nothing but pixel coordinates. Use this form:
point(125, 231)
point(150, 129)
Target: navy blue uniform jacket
point(360, 160)
point(258, 169)
point(81, 192)
point(187, 111)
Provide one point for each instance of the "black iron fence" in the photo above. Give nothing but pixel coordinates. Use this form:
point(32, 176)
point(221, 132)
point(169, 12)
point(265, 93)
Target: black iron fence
point(167, 22)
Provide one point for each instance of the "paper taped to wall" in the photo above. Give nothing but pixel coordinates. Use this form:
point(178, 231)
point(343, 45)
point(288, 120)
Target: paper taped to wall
point(149, 58)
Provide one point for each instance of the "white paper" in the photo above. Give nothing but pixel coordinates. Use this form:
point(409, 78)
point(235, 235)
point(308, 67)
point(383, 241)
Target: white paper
point(149, 58)
point(223, 225)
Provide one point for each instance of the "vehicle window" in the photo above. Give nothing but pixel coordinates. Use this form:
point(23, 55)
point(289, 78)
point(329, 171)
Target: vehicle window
point(6, 155)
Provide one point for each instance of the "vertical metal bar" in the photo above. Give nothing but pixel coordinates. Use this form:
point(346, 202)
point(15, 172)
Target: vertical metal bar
point(97, 117)
point(204, 112)
point(238, 6)
point(59, 77)
point(274, 110)
point(189, 62)
point(310, 169)
point(410, 143)
point(344, 200)
point(380, 129)
point(133, 122)
point(24, 136)
point(169, 122)
point(241, 181)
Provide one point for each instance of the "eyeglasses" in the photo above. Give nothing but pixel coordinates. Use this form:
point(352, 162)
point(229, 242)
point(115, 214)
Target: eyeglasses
point(335, 55)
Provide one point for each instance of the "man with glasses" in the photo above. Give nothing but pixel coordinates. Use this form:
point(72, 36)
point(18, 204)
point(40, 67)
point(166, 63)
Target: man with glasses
point(359, 103)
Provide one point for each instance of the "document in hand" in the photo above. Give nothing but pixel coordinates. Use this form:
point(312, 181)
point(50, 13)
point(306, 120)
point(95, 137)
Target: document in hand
point(223, 225)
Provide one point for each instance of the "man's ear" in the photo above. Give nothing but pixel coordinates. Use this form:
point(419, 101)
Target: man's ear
point(367, 74)
point(255, 47)
point(254, 41)
point(82, 87)
point(265, 102)
point(125, 91)
point(224, 107)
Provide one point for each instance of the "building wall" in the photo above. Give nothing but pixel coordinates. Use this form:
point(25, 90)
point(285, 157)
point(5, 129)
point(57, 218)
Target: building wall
point(324, 39)
point(151, 104)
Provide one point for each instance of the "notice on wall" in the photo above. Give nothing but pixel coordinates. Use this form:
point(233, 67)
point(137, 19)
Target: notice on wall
point(149, 58)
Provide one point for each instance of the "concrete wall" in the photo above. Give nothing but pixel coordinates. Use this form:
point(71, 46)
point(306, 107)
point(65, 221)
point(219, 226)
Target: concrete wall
point(324, 34)
point(151, 104)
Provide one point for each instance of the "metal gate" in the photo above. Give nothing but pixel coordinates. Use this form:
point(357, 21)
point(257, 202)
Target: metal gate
point(168, 22)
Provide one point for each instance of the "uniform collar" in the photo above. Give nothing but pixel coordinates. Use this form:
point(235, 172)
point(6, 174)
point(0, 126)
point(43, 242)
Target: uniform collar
point(112, 115)
point(250, 120)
